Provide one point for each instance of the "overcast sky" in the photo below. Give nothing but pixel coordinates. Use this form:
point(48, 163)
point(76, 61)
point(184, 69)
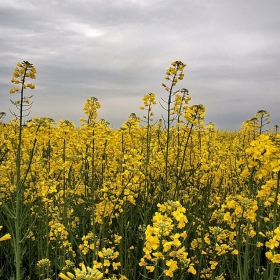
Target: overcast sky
point(119, 50)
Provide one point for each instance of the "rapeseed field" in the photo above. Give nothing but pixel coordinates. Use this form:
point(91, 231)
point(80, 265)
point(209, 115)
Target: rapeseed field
point(169, 198)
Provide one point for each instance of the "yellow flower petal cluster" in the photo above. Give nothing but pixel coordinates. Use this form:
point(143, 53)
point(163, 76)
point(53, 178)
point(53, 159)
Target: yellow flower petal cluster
point(89, 273)
point(23, 70)
point(164, 240)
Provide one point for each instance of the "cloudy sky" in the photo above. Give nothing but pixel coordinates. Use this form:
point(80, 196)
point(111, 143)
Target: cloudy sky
point(119, 50)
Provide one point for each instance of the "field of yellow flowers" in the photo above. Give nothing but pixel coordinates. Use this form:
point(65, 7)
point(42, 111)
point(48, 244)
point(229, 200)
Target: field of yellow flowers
point(166, 199)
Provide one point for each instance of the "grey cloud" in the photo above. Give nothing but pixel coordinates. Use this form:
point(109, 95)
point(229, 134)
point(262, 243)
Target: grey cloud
point(119, 50)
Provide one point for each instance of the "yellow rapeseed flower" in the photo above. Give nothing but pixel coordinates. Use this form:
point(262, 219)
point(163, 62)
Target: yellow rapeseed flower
point(63, 276)
point(7, 236)
point(192, 270)
point(150, 268)
point(276, 258)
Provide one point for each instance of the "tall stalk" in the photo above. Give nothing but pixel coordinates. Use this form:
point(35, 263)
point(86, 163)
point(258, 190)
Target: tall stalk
point(148, 100)
point(173, 74)
point(23, 70)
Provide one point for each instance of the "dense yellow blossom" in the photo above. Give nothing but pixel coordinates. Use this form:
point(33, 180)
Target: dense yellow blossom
point(126, 206)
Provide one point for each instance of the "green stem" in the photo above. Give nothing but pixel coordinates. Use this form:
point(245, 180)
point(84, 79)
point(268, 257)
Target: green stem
point(19, 189)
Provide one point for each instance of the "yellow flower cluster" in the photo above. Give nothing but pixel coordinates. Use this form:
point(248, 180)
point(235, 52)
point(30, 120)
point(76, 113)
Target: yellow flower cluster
point(89, 243)
point(90, 109)
point(59, 235)
point(43, 263)
point(273, 245)
point(23, 70)
point(148, 100)
point(174, 73)
point(85, 273)
point(164, 240)
point(243, 208)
